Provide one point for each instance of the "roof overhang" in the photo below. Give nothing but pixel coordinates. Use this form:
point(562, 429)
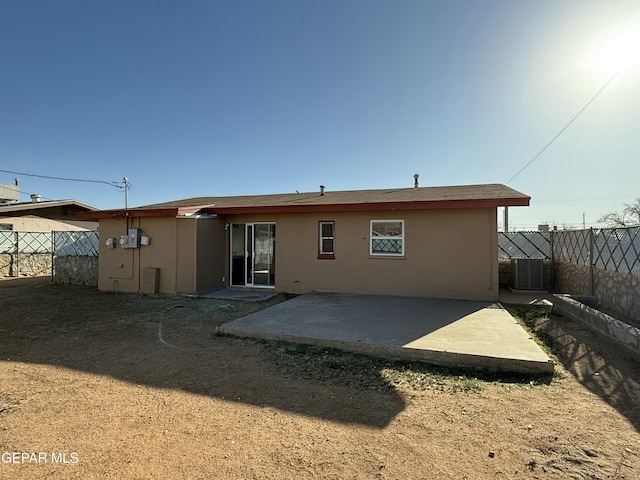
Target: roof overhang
point(369, 206)
point(33, 207)
point(143, 212)
point(308, 208)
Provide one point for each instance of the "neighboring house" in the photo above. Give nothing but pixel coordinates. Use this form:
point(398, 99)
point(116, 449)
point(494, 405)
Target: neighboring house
point(45, 216)
point(26, 241)
point(427, 241)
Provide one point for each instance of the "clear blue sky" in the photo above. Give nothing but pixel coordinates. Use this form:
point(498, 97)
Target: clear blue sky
point(207, 98)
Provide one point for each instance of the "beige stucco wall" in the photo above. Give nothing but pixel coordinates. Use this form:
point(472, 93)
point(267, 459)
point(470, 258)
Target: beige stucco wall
point(172, 250)
point(32, 223)
point(448, 254)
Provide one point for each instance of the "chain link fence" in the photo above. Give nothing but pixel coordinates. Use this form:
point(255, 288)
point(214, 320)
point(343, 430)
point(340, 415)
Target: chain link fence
point(599, 262)
point(524, 245)
point(75, 244)
point(611, 249)
point(25, 242)
point(75, 258)
point(25, 253)
point(34, 253)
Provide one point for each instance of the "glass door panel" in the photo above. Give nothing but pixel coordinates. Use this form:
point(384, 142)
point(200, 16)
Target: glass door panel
point(253, 254)
point(250, 254)
point(264, 254)
point(238, 254)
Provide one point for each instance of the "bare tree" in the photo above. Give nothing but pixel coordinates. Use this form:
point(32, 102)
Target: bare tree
point(629, 217)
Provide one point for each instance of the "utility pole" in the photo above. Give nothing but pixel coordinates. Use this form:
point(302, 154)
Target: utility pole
point(127, 185)
point(506, 219)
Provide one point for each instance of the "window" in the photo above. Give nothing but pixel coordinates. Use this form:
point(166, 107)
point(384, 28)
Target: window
point(6, 226)
point(326, 240)
point(387, 238)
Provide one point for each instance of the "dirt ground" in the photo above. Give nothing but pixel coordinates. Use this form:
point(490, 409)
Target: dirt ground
point(106, 385)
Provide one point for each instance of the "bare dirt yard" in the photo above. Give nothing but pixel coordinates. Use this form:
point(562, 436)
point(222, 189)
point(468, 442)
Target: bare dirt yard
point(112, 385)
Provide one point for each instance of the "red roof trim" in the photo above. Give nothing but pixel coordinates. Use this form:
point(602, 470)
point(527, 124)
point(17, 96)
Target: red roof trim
point(141, 212)
point(370, 206)
point(314, 208)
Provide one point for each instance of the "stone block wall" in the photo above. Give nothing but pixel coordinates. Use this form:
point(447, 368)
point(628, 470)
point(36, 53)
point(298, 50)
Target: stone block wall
point(619, 292)
point(76, 270)
point(15, 265)
point(6, 265)
point(571, 279)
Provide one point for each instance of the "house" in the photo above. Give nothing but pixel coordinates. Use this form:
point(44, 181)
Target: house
point(45, 216)
point(422, 241)
point(26, 241)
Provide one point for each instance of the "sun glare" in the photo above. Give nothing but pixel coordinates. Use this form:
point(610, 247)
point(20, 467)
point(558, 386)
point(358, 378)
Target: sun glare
point(618, 54)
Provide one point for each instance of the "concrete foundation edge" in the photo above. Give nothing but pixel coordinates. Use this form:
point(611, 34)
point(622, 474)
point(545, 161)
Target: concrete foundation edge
point(447, 359)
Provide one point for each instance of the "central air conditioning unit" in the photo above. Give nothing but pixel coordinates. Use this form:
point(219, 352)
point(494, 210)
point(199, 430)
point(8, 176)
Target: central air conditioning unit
point(527, 274)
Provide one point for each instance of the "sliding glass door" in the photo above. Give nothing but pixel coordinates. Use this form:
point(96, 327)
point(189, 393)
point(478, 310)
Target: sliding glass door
point(253, 254)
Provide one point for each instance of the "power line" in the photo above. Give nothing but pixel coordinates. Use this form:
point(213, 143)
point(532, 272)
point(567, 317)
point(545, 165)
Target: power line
point(563, 129)
point(113, 184)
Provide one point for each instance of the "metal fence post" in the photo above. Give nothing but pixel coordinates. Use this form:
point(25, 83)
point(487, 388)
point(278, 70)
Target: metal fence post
point(53, 255)
point(16, 272)
point(591, 262)
point(553, 260)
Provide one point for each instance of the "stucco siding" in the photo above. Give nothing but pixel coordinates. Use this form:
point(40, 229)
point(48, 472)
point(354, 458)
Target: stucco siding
point(185, 246)
point(187, 251)
point(120, 269)
point(448, 253)
point(32, 223)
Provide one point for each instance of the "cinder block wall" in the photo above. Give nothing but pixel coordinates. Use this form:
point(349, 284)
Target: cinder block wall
point(603, 324)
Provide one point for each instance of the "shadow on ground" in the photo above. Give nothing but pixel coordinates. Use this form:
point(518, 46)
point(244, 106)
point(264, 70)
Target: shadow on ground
point(170, 342)
point(598, 363)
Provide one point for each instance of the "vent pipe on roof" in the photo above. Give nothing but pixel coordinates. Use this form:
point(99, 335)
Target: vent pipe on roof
point(35, 198)
point(415, 180)
point(322, 190)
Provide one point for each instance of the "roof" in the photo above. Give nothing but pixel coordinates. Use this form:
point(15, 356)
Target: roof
point(48, 208)
point(422, 198)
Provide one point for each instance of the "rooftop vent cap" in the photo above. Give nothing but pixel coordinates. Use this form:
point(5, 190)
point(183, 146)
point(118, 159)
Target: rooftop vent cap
point(35, 198)
point(415, 180)
point(322, 190)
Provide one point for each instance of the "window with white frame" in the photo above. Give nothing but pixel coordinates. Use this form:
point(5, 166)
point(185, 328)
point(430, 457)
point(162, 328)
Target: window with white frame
point(326, 239)
point(387, 238)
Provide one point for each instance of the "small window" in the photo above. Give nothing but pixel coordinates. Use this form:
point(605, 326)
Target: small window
point(387, 238)
point(6, 226)
point(326, 240)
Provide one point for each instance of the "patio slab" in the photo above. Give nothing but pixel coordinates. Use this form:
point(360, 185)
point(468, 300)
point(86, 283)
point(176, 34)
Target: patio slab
point(448, 332)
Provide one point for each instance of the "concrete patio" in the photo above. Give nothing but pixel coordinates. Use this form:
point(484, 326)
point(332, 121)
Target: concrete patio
point(447, 332)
